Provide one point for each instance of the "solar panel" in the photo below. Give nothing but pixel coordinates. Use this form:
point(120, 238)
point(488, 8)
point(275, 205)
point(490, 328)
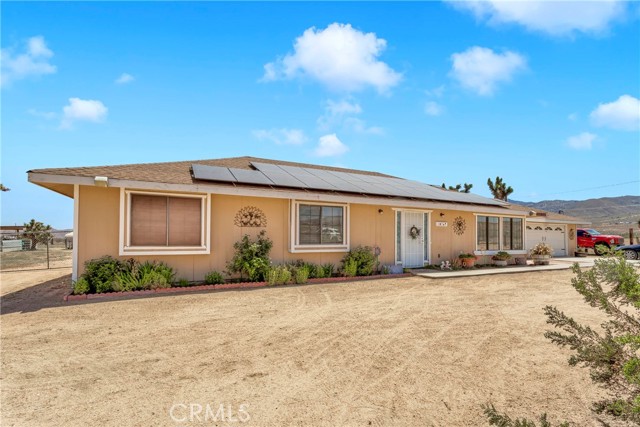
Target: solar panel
point(351, 182)
point(284, 179)
point(212, 173)
point(245, 176)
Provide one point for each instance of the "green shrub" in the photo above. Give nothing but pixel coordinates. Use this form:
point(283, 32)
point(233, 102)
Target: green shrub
point(81, 286)
point(213, 278)
point(101, 273)
point(385, 270)
point(328, 269)
point(350, 268)
point(108, 274)
point(251, 258)
point(363, 258)
point(279, 275)
point(301, 275)
point(318, 272)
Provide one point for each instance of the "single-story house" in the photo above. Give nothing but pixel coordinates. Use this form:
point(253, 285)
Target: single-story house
point(189, 214)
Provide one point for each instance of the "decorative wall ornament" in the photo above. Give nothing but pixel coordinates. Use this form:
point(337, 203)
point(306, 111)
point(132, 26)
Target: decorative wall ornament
point(250, 216)
point(414, 232)
point(459, 225)
point(572, 233)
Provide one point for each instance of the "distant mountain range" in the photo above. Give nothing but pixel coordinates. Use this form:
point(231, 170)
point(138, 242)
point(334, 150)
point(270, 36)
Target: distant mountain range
point(608, 215)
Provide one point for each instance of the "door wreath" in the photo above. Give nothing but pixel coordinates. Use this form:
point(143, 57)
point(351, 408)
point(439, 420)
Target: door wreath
point(414, 232)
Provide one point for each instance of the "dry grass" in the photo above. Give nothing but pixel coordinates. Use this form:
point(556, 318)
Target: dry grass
point(27, 260)
point(396, 352)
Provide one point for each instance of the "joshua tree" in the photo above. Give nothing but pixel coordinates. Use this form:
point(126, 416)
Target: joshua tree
point(499, 189)
point(37, 232)
point(466, 188)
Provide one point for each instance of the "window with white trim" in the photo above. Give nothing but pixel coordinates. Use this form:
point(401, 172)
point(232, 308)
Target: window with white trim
point(499, 233)
point(320, 226)
point(165, 223)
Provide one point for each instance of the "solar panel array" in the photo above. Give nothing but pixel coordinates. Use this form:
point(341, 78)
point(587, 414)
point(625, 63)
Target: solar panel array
point(321, 179)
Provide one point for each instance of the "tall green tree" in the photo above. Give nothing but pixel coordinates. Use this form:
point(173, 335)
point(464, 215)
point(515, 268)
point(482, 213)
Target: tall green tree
point(37, 232)
point(462, 188)
point(499, 189)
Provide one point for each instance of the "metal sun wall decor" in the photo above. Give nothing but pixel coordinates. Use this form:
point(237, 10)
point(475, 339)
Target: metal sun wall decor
point(250, 216)
point(459, 225)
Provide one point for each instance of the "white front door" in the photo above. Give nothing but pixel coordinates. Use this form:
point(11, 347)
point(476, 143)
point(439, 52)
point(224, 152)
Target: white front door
point(413, 243)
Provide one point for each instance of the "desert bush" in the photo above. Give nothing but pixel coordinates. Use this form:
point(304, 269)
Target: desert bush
point(213, 278)
point(613, 286)
point(301, 275)
point(364, 259)
point(81, 286)
point(279, 275)
point(328, 269)
point(251, 258)
point(318, 272)
point(350, 268)
point(101, 273)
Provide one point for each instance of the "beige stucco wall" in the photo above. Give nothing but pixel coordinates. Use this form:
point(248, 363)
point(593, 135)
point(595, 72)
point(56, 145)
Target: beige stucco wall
point(98, 232)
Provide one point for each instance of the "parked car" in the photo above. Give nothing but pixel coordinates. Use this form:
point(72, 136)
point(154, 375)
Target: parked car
point(589, 238)
point(630, 251)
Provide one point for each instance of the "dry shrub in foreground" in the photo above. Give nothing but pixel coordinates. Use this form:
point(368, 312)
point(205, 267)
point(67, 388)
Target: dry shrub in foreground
point(612, 286)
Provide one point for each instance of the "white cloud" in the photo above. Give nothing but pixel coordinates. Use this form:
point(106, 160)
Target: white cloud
point(622, 114)
point(48, 115)
point(343, 107)
point(436, 92)
point(339, 57)
point(360, 126)
point(573, 117)
point(88, 110)
point(557, 18)
point(282, 136)
point(582, 141)
point(330, 145)
point(481, 69)
point(124, 78)
point(433, 109)
point(34, 61)
point(341, 114)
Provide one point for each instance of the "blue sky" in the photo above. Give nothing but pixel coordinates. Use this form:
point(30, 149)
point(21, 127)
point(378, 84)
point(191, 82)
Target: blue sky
point(544, 95)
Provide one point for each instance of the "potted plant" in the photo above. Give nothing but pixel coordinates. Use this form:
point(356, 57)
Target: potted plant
point(541, 254)
point(501, 259)
point(467, 260)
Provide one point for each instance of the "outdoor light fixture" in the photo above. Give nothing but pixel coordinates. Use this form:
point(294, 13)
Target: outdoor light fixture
point(101, 181)
point(380, 211)
point(441, 213)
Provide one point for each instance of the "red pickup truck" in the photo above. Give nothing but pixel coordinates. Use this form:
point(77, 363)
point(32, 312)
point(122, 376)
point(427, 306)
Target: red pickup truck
point(591, 239)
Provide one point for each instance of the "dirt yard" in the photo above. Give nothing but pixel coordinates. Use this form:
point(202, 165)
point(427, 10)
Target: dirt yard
point(411, 351)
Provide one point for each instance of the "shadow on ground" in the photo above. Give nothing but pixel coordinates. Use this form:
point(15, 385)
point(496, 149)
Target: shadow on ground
point(43, 295)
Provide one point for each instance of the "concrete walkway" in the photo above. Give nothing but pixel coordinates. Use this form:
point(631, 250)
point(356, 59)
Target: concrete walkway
point(555, 264)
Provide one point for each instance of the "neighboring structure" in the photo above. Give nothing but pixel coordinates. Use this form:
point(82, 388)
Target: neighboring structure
point(189, 214)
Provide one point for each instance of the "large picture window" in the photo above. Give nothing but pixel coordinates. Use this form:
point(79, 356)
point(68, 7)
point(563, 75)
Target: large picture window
point(164, 223)
point(499, 233)
point(320, 227)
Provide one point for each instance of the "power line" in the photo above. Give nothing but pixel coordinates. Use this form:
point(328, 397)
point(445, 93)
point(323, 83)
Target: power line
point(592, 188)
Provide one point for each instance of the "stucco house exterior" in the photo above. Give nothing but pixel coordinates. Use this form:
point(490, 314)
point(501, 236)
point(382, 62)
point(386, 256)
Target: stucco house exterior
point(190, 213)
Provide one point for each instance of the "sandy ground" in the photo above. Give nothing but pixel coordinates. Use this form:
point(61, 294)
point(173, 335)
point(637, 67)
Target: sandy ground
point(411, 351)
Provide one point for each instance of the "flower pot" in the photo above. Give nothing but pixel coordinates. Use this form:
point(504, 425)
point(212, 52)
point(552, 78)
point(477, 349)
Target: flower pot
point(500, 262)
point(541, 259)
point(468, 262)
